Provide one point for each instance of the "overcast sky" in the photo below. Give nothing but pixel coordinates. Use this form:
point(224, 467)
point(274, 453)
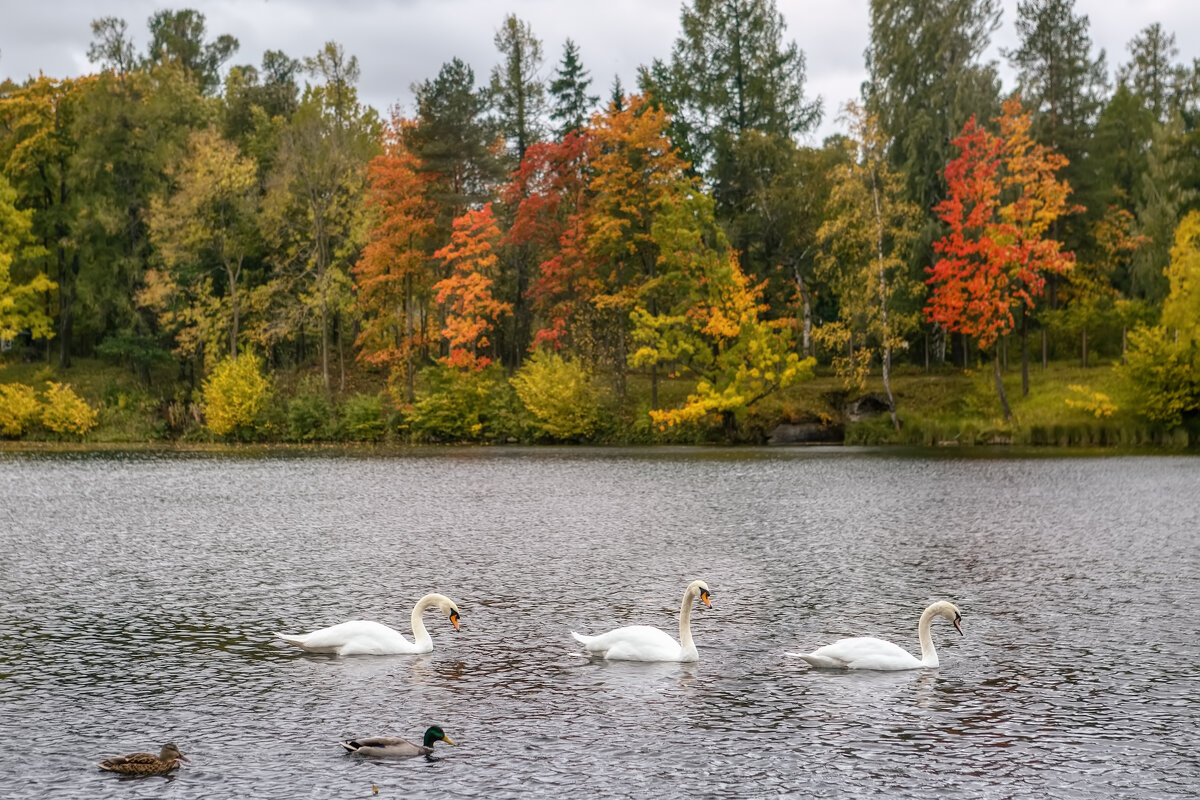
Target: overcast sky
point(400, 42)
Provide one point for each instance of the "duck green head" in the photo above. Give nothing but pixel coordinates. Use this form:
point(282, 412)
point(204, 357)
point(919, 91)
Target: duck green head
point(436, 734)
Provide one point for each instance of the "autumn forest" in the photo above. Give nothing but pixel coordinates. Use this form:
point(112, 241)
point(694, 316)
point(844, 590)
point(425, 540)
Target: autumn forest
point(196, 249)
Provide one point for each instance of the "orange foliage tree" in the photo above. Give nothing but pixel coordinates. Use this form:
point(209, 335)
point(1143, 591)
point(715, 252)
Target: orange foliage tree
point(393, 290)
point(636, 175)
point(466, 294)
point(1003, 197)
point(591, 203)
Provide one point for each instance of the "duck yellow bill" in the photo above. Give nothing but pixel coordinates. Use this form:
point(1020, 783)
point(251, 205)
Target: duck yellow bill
point(447, 740)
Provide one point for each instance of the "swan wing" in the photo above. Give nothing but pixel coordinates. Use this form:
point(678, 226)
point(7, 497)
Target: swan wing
point(358, 637)
point(862, 652)
point(633, 643)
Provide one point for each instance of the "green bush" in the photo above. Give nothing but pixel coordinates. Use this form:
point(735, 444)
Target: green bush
point(362, 418)
point(19, 409)
point(234, 395)
point(560, 394)
point(465, 406)
point(308, 417)
point(1163, 375)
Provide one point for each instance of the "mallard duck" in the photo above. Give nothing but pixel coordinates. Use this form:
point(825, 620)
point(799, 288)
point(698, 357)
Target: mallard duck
point(363, 637)
point(867, 652)
point(145, 763)
point(646, 643)
point(392, 747)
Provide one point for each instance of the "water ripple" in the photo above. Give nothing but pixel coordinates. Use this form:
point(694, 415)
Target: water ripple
point(141, 594)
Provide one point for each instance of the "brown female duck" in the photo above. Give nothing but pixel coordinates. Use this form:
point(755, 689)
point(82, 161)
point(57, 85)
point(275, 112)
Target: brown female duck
point(145, 763)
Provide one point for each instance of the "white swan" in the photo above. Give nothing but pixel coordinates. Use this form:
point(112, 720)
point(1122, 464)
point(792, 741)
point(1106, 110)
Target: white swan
point(363, 637)
point(645, 643)
point(867, 652)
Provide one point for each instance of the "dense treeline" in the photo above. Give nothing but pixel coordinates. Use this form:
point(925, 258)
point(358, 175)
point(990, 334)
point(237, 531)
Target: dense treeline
point(519, 249)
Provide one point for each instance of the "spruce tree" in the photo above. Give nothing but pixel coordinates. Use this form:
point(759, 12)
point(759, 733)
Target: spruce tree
point(732, 71)
point(1064, 86)
point(572, 105)
point(451, 139)
point(616, 95)
point(1151, 74)
point(517, 92)
point(925, 80)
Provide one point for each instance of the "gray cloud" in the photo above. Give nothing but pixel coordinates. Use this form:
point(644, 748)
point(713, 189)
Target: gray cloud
point(402, 42)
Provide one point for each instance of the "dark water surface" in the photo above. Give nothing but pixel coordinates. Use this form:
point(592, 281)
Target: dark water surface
point(139, 594)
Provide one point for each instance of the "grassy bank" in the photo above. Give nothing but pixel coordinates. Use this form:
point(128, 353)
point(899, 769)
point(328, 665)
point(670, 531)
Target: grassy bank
point(947, 407)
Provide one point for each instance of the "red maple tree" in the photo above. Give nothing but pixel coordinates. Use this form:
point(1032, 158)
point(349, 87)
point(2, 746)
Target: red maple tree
point(1003, 198)
point(549, 193)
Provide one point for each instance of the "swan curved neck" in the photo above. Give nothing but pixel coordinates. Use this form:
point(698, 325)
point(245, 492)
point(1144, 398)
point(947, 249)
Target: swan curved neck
point(685, 619)
point(420, 635)
point(928, 653)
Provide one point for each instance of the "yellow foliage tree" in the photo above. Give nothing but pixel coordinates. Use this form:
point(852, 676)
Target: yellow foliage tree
point(19, 408)
point(234, 395)
point(1181, 311)
point(867, 240)
point(209, 221)
point(704, 321)
point(21, 304)
point(560, 394)
point(67, 412)
point(1163, 365)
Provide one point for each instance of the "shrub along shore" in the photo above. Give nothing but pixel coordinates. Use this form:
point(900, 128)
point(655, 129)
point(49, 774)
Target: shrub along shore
point(94, 403)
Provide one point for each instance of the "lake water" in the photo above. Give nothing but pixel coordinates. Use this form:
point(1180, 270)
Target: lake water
point(140, 593)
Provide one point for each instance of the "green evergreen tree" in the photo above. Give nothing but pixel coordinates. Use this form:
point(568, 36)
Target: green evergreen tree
point(616, 94)
point(571, 103)
point(1065, 87)
point(1162, 196)
point(925, 81)
point(1151, 73)
point(731, 71)
point(735, 90)
point(452, 142)
point(517, 91)
point(1121, 138)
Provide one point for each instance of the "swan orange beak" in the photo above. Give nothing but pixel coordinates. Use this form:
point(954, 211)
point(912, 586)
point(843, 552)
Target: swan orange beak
point(454, 620)
point(958, 626)
point(704, 597)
